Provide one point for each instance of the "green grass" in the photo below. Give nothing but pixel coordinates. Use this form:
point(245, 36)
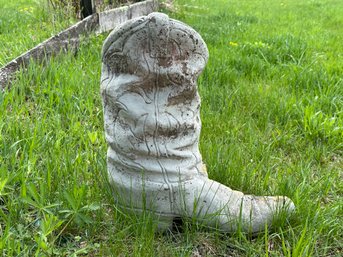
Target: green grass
point(272, 116)
point(26, 23)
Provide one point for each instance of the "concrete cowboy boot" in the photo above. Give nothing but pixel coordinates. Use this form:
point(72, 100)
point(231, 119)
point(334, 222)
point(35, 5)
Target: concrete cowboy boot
point(152, 125)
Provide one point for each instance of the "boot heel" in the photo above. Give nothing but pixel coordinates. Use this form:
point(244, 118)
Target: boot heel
point(164, 223)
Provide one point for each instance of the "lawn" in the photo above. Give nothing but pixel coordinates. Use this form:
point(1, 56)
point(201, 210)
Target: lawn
point(26, 23)
point(272, 123)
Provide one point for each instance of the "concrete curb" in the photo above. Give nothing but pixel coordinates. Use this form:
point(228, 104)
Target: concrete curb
point(111, 18)
point(69, 39)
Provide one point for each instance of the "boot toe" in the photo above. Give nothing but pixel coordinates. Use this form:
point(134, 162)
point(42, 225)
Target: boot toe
point(263, 210)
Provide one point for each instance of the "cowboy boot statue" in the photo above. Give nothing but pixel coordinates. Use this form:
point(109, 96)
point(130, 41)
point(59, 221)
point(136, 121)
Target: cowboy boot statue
point(150, 66)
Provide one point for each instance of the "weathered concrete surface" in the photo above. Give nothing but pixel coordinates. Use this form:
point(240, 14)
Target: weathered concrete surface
point(108, 20)
point(152, 126)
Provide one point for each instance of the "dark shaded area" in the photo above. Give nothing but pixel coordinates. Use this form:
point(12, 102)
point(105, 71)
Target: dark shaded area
point(87, 8)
